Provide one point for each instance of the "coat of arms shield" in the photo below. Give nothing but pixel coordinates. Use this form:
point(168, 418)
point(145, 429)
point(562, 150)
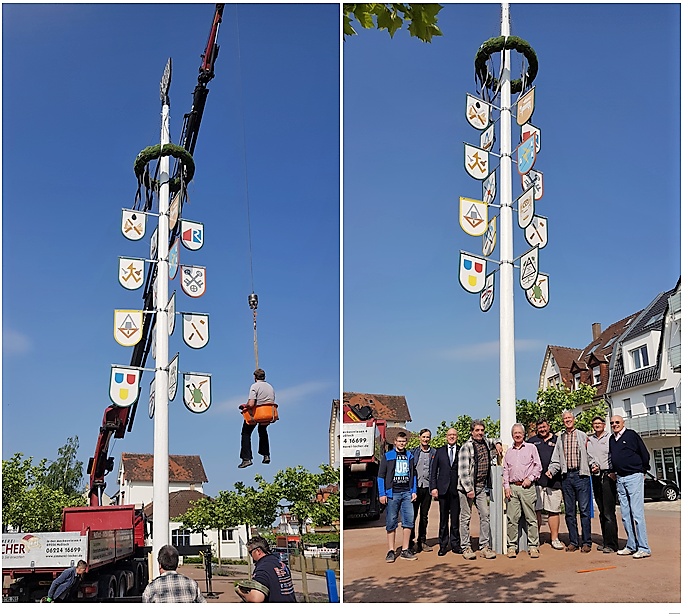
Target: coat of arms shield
point(487, 137)
point(171, 313)
point(530, 268)
point(193, 280)
point(536, 232)
point(533, 178)
point(490, 237)
point(477, 112)
point(133, 224)
point(487, 296)
point(473, 216)
point(472, 272)
point(527, 130)
point(123, 386)
point(196, 330)
point(538, 295)
point(490, 188)
point(153, 245)
point(192, 234)
point(131, 272)
point(525, 154)
point(173, 260)
point(174, 211)
point(525, 107)
point(197, 391)
point(173, 377)
point(128, 327)
point(151, 400)
point(526, 207)
point(476, 161)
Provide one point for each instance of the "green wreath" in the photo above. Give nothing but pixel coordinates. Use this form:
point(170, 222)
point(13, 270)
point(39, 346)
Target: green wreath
point(500, 43)
point(152, 153)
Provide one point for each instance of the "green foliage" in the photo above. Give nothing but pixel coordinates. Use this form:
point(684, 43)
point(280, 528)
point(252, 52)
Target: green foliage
point(552, 401)
point(66, 472)
point(421, 18)
point(497, 44)
point(29, 502)
point(463, 426)
point(170, 149)
point(298, 487)
point(190, 560)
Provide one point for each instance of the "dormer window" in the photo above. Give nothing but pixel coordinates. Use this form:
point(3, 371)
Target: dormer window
point(596, 376)
point(640, 357)
point(577, 381)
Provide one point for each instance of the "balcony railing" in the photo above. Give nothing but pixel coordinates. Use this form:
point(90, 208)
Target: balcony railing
point(674, 356)
point(655, 425)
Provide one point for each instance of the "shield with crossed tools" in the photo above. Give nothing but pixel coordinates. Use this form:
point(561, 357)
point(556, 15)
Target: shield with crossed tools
point(490, 188)
point(123, 386)
point(530, 268)
point(193, 280)
point(196, 330)
point(131, 272)
point(477, 112)
point(538, 295)
point(487, 296)
point(476, 161)
point(133, 224)
point(536, 233)
point(197, 391)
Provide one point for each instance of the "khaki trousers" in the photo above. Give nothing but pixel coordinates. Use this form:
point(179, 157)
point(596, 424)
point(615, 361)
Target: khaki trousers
point(522, 500)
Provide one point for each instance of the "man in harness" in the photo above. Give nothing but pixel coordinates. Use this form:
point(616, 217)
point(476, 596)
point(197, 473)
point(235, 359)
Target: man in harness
point(261, 393)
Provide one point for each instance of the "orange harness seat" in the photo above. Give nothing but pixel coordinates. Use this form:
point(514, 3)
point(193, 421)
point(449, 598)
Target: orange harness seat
point(261, 414)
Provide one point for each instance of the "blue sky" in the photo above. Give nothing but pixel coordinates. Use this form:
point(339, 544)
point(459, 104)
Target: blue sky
point(608, 106)
point(80, 100)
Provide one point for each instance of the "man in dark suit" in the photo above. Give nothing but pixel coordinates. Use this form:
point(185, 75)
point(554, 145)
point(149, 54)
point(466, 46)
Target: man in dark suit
point(443, 485)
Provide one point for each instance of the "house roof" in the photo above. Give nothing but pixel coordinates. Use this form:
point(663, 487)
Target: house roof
point(564, 358)
point(138, 468)
point(179, 502)
point(383, 406)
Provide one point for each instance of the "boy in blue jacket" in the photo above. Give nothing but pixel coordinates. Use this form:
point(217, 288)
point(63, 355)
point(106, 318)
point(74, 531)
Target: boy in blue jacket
point(397, 490)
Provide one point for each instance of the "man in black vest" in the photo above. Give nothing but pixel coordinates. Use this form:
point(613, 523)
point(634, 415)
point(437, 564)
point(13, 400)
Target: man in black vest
point(443, 485)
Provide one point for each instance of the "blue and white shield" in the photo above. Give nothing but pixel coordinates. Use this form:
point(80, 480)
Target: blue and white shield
point(123, 386)
point(525, 153)
point(173, 260)
point(192, 234)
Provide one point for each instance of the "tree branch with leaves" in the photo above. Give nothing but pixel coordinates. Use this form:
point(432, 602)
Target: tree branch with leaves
point(421, 18)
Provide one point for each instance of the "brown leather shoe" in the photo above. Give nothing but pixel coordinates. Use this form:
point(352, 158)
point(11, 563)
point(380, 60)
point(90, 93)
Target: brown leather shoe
point(586, 548)
point(571, 548)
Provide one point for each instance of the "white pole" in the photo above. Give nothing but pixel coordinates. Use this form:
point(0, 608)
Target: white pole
point(507, 368)
point(160, 486)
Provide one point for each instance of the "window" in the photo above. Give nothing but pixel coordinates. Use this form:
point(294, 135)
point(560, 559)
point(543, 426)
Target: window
point(610, 342)
point(626, 408)
point(553, 381)
point(596, 377)
point(577, 381)
point(640, 358)
point(180, 537)
point(226, 535)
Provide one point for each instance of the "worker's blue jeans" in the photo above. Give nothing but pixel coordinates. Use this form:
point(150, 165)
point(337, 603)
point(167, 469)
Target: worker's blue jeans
point(576, 488)
point(631, 496)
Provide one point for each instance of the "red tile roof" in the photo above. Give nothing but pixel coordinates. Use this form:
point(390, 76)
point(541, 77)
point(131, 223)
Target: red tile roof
point(179, 502)
point(138, 468)
point(384, 406)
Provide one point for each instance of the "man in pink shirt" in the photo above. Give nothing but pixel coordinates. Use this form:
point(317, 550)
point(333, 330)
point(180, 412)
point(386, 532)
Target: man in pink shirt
point(522, 468)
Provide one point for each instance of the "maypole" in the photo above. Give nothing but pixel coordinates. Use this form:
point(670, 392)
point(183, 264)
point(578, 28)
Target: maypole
point(473, 217)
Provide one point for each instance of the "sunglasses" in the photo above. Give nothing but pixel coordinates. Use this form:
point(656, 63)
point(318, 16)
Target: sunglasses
point(615, 422)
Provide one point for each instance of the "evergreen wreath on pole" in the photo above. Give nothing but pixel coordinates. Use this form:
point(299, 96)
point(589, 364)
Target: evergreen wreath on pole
point(152, 153)
point(500, 43)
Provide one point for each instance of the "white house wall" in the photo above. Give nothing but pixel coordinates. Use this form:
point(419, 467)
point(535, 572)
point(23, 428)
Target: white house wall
point(651, 339)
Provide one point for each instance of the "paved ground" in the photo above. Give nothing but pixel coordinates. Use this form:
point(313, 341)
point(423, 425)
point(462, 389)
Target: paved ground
point(223, 585)
point(554, 577)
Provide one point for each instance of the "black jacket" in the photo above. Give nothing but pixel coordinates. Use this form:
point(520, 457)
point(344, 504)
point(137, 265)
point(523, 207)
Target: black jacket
point(443, 476)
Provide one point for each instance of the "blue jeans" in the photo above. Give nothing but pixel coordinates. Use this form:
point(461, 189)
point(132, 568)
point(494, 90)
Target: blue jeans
point(631, 496)
point(399, 504)
point(576, 488)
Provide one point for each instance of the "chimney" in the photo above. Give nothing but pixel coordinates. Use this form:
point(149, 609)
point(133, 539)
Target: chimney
point(596, 330)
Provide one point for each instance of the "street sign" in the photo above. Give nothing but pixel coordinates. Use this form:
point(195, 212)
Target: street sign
point(196, 330)
point(192, 234)
point(487, 296)
point(472, 272)
point(538, 295)
point(525, 107)
point(490, 237)
point(525, 155)
point(477, 112)
point(171, 313)
point(173, 377)
point(473, 216)
point(123, 386)
point(131, 272)
point(128, 327)
point(133, 224)
point(193, 280)
point(526, 208)
point(476, 161)
point(173, 260)
point(487, 137)
point(527, 130)
point(530, 268)
point(197, 391)
point(536, 233)
point(533, 177)
point(490, 188)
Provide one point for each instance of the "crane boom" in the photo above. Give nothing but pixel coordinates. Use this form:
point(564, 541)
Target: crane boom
point(116, 419)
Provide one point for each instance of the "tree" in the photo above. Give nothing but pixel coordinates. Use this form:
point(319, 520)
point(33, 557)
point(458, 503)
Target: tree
point(463, 426)
point(421, 18)
point(66, 472)
point(552, 401)
point(29, 502)
point(299, 488)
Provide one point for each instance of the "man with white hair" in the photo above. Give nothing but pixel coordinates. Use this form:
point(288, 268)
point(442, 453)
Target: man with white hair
point(522, 468)
point(572, 459)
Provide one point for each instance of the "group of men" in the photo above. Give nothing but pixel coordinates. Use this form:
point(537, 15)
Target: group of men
point(537, 475)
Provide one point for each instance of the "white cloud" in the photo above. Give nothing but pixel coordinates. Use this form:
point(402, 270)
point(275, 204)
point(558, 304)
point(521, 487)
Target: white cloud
point(286, 395)
point(489, 349)
point(14, 343)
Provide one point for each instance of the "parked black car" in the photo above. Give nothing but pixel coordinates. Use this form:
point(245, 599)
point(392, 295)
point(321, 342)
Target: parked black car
point(660, 489)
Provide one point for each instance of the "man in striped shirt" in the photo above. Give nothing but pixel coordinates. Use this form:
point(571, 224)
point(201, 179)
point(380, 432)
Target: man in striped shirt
point(572, 459)
point(522, 468)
